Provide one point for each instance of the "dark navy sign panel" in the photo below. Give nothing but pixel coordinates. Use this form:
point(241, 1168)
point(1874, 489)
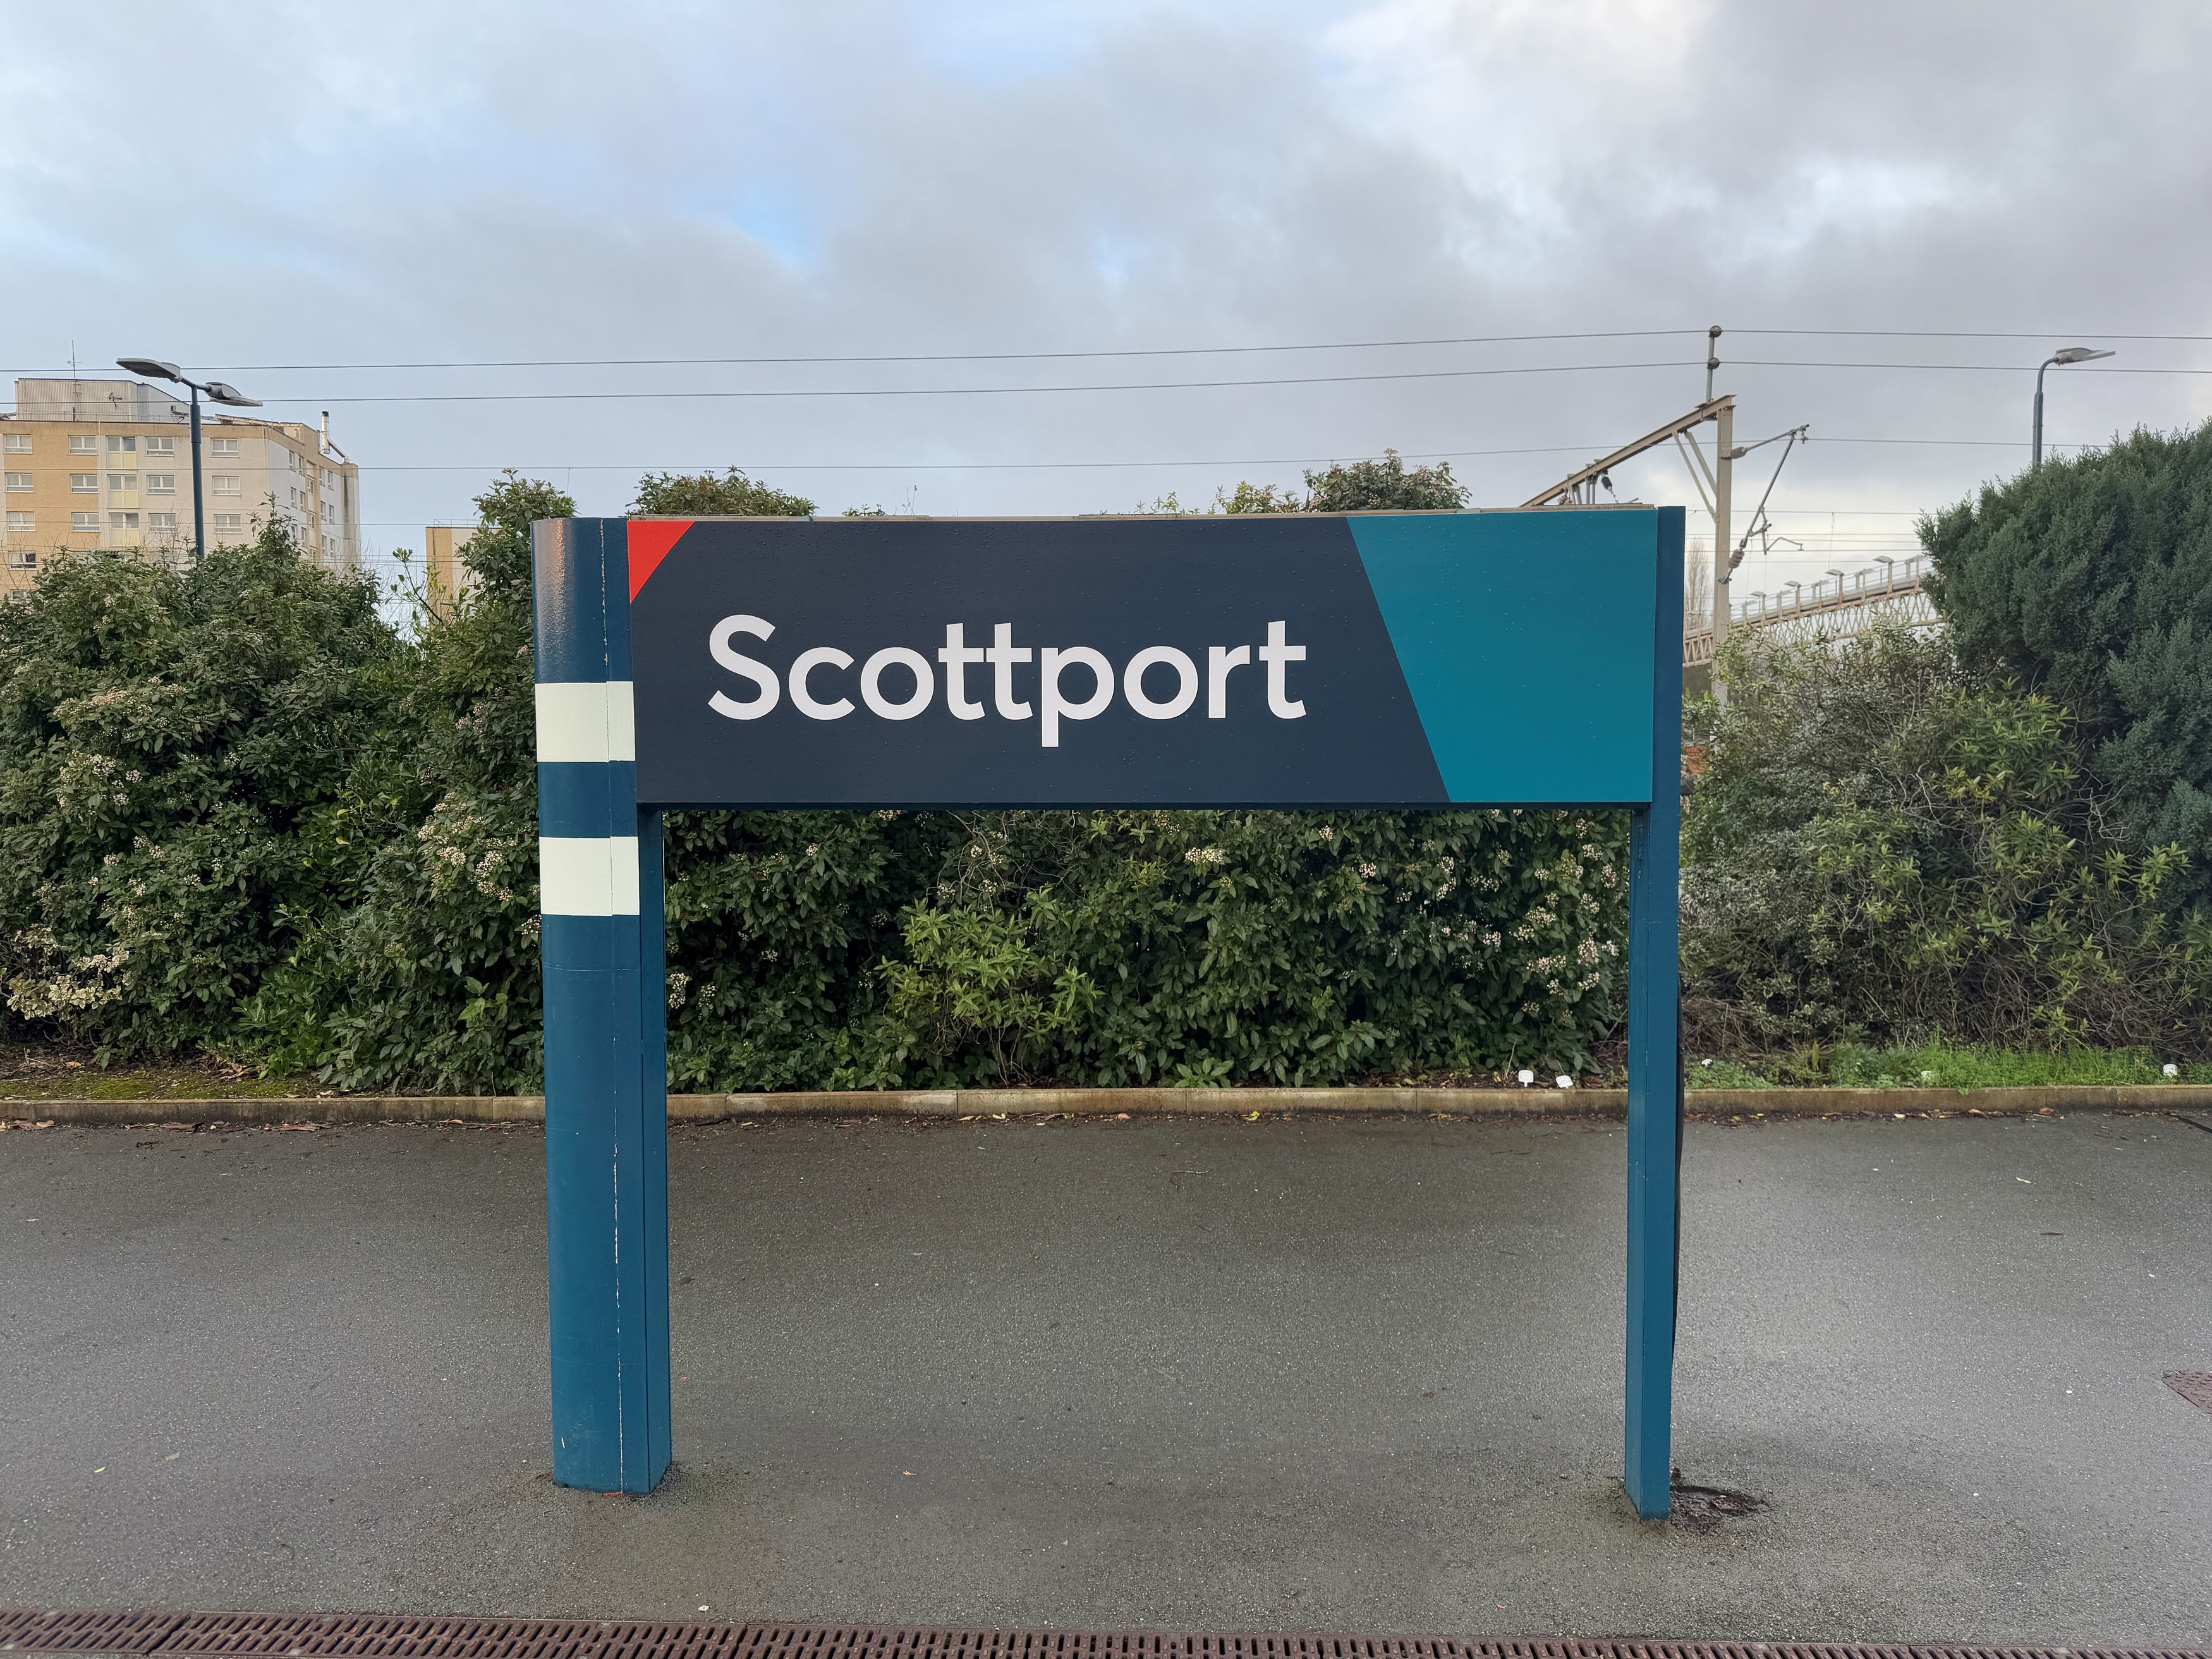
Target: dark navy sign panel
point(1415, 660)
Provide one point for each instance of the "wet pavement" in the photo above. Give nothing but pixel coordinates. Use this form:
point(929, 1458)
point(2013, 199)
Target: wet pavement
point(1309, 1376)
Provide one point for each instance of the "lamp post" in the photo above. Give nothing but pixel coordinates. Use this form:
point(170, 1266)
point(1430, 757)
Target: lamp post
point(219, 393)
point(2061, 358)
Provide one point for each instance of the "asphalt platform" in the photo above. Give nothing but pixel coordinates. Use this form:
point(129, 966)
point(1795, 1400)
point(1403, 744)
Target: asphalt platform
point(1304, 1376)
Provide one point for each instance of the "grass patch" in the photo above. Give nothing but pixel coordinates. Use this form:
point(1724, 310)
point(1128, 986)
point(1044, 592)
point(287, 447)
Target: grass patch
point(1939, 1065)
point(1726, 1074)
point(68, 1075)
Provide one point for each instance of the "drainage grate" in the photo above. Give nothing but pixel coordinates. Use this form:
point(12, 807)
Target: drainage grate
point(2195, 1387)
point(382, 1636)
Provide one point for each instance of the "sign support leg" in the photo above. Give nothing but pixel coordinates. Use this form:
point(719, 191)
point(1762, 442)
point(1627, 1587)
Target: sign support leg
point(1654, 1076)
point(606, 1033)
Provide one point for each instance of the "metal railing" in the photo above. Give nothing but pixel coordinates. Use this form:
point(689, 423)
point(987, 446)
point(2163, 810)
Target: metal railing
point(1847, 604)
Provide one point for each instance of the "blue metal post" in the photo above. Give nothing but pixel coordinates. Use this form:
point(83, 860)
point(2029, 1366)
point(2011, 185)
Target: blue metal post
point(606, 1035)
point(1655, 1078)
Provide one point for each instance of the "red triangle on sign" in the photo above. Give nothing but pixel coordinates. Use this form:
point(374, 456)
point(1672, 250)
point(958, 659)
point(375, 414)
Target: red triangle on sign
point(650, 540)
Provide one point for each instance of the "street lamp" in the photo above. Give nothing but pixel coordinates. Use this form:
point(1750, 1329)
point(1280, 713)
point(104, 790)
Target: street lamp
point(2062, 358)
point(222, 394)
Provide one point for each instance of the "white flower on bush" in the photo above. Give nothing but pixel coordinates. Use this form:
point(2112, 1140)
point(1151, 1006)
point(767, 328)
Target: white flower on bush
point(85, 982)
point(1203, 856)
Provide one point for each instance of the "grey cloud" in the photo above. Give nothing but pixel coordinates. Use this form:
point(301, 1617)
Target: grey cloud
point(430, 182)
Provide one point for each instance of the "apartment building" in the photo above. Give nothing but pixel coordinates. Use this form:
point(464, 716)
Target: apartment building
point(107, 465)
point(446, 571)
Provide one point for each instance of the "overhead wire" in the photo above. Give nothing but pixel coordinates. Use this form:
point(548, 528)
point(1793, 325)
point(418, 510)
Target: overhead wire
point(778, 392)
point(1072, 466)
point(1102, 353)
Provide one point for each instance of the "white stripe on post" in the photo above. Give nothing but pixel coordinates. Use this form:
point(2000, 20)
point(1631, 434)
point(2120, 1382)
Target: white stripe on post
point(587, 876)
point(587, 720)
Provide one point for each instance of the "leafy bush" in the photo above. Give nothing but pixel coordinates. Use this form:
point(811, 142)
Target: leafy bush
point(1360, 487)
point(2090, 580)
point(1203, 948)
point(429, 976)
point(426, 971)
point(1373, 486)
point(174, 747)
point(677, 496)
point(778, 923)
point(938, 949)
point(1879, 847)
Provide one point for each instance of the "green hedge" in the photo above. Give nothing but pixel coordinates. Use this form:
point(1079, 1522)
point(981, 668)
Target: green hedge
point(243, 812)
point(1880, 847)
point(239, 810)
point(174, 751)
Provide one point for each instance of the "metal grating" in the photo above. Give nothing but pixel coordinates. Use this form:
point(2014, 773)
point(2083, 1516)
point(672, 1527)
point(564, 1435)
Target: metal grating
point(2195, 1387)
point(388, 1636)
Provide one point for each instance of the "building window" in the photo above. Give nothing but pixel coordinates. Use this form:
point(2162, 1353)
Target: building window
point(123, 481)
point(162, 484)
point(22, 524)
point(84, 484)
point(23, 558)
point(160, 521)
point(160, 445)
point(16, 443)
point(85, 521)
point(223, 447)
point(82, 443)
point(230, 521)
point(122, 446)
point(122, 521)
point(224, 483)
point(19, 481)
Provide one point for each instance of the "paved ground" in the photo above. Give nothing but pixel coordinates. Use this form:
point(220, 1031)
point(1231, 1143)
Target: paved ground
point(1308, 1375)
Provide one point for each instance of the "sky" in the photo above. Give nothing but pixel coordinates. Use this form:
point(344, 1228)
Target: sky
point(1894, 210)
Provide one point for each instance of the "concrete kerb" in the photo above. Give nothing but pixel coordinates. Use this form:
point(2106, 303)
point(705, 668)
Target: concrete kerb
point(954, 1103)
